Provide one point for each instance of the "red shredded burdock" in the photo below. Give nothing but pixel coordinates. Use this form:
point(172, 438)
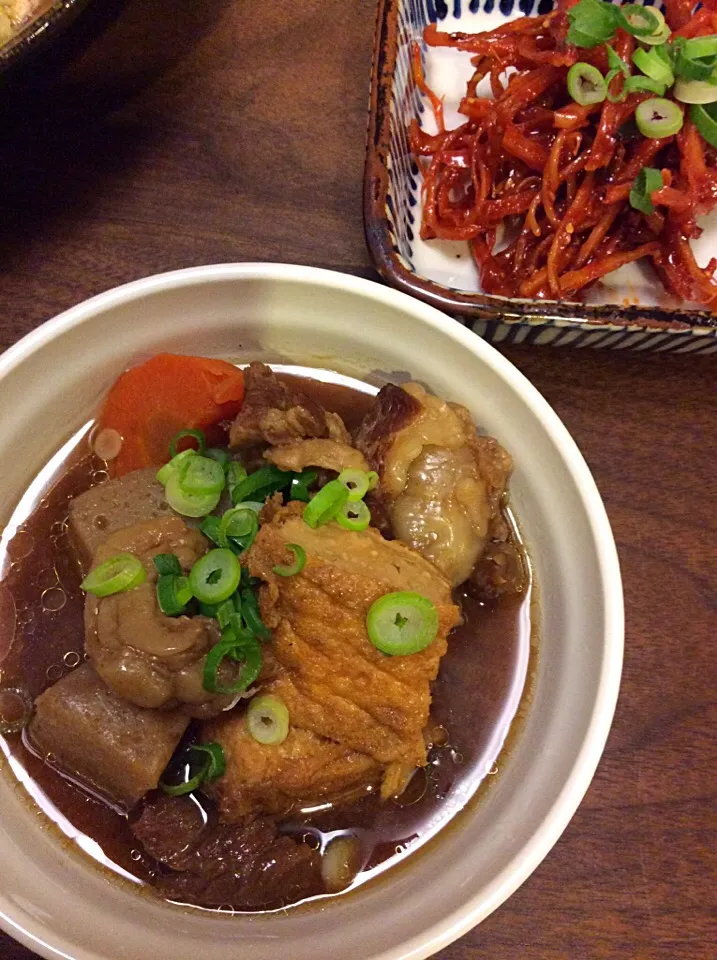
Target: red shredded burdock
point(539, 185)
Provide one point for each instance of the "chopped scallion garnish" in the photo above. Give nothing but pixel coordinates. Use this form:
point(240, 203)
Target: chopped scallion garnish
point(197, 435)
point(118, 574)
point(267, 719)
point(213, 766)
point(324, 505)
point(290, 570)
point(402, 623)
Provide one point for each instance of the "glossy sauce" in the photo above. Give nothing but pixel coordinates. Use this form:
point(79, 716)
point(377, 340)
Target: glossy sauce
point(481, 685)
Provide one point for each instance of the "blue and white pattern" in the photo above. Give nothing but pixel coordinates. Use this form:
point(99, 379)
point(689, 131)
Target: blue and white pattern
point(450, 264)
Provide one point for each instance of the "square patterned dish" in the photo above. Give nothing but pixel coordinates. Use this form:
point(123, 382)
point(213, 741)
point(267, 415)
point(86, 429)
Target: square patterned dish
point(626, 310)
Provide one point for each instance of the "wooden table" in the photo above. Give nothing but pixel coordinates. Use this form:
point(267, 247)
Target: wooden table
point(166, 134)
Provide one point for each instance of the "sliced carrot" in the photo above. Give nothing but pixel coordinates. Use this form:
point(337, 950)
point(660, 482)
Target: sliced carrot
point(150, 403)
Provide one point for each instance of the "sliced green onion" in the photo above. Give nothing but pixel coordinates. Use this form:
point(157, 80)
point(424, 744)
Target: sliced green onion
point(167, 563)
point(354, 516)
point(209, 609)
point(247, 651)
point(235, 474)
point(267, 720)
point(653, 66)
point(250, 613)
point(176, 465)
point(241, 524)
point(290, 570)
point(226, 611)
point(694, 59)
point(118, 574)
point(694, 91)
point(402, 623)
point(586, 84)
point(356, 482)
point(197, 435)
point(661, 36)
point(646, 182)
point(615, 61)
point(173, 594)
point(592, 23)
point(215, 576)
point(657, 118)
point(202, 475)
point(213, 766)
point(639, 21)
point(633, 84)
point(210, 528)
point(262, 483)
point(704, 117)
point(324, 505)
point(219, 454)
point(189, 504)
point(299, 489)
point(373, 479)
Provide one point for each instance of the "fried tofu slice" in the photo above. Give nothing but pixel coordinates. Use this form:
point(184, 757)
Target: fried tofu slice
point(304, 770)
point(336, 685)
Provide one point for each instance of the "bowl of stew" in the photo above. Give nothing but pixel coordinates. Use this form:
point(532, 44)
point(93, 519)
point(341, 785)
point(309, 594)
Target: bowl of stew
point(310, 622)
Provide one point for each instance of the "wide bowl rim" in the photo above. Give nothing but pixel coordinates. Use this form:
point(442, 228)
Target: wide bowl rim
point(23, 927)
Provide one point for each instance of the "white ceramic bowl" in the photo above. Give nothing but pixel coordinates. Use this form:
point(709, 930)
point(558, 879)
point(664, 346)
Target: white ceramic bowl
point(61, 905)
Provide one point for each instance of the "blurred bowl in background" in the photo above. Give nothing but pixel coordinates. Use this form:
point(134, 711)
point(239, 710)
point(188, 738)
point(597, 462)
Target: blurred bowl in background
point(49, 20)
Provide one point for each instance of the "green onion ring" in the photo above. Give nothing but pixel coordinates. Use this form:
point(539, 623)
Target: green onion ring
point(247, 651)
point(586, 85)
point(657, 118)
point(290, 570)
point(202, 475)
point(653, 66)
point(117, 575)
point(299, 489)
point(647, 23)
point(373, 479)
point(267, 719)
point(354, 516)
point(176, 465)
point(215, 576)
point(240, 521)
point(402, 623)
point(324, 505)
point(213, 767)
point(356, 482)
point(197, 435)
point(189, 504)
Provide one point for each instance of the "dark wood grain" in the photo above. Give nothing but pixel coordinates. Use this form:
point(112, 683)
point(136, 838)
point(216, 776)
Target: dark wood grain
point(169, 133)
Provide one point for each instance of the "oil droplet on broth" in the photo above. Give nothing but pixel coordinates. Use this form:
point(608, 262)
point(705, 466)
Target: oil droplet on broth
point(20, 546)
point(53, 599)
point(71, 659)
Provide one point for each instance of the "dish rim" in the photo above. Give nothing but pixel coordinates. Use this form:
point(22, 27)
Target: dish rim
point(39, 30)
point(23, 927)
point(472, 306)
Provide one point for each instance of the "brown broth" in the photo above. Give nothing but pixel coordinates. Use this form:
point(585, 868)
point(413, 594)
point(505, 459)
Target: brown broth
point(475, 699)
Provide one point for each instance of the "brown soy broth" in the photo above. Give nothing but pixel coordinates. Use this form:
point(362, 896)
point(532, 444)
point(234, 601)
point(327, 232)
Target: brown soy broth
point(475, 699)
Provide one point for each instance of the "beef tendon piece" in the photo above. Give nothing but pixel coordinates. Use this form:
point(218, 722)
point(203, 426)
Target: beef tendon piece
point(327, 454)
point(441, 483)
point(274, 413)
point(304, 770)
point(248, 865)
point(144, 656)
point(110, 506)
point(110, 745)
point(334, 682)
